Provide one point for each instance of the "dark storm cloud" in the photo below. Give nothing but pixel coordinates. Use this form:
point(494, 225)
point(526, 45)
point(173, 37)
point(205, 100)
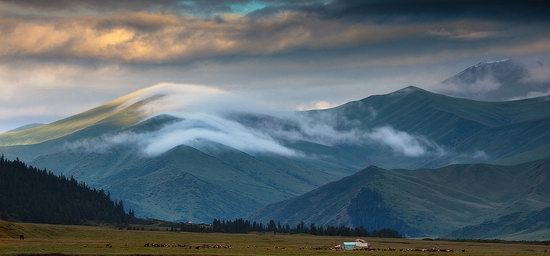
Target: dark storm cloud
point(82, 53)
point(104, 5)
point(429, 10)
point(194, 7)
point(172, 32)
point(381, 10)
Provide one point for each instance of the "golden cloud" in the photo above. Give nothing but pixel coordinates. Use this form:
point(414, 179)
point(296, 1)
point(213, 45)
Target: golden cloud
point(145, 37)
point(156, 37)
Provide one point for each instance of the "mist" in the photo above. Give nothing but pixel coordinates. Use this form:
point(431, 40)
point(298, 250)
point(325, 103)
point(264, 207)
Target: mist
point(404, 143)
point(203, 114)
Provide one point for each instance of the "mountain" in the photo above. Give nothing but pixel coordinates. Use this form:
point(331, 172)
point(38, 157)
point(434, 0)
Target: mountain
point(173, 154)
point(498, 80)
point(25, 127)
point(449, 130)
point(533, 225)
point(469, 200)
point(31, 195)
point(188, 183)
point(183, 183)
point(111, 116)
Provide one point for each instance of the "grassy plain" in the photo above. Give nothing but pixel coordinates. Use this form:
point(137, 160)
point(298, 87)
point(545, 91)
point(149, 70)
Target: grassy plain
point(91, 240)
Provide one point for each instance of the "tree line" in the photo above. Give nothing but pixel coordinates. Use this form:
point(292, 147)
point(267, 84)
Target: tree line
point(28, 194)
point(245, 226)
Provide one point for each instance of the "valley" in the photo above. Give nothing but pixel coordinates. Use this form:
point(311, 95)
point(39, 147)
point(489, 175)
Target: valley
point(182, 165)
point(275, 127)
point(432, 202)
point(43, 239)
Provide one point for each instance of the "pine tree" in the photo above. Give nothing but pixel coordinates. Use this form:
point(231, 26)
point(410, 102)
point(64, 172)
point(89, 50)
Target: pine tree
point(32, 195)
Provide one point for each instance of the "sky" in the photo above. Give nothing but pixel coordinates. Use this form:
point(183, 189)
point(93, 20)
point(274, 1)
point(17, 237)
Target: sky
point(61, 57)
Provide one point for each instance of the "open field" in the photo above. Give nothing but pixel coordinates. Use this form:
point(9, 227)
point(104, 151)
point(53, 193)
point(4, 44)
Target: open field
point(45, 239)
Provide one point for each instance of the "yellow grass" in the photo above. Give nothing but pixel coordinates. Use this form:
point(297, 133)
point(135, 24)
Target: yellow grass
point(85, 240)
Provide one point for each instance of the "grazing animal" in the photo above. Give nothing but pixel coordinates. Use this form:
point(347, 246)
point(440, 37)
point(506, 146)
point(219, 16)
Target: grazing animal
point(21, 237)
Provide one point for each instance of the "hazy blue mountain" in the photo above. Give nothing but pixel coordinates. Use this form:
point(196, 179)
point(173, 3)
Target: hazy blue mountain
point(410, 128)
point(498, 81)
point(432, 202)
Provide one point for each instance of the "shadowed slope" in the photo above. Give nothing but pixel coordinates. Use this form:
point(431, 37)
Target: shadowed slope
point(427, 201)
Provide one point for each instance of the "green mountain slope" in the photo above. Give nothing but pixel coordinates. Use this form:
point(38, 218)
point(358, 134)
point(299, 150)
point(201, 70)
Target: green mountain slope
point(248, 181)
point(108, 113)
point(431, 202)
point(468, 131)
point(533, 225)
point(509, 140)
point(392, 107)
point(448, 130)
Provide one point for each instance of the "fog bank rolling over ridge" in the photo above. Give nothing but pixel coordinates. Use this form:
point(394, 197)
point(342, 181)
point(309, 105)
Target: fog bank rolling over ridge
point(197, 143)
point(429, 117)
point(208, 114)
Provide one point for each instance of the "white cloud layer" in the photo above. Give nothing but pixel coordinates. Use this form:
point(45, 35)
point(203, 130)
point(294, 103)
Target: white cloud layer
point(404, 143)
point(207, 114)
point(203, 112)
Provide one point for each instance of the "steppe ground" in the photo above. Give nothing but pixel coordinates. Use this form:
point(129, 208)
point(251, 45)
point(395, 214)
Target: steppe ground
point(91, 240)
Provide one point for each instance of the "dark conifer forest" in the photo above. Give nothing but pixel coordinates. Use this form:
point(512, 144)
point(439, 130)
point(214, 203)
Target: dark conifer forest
point(28, 194)
point(245, 226)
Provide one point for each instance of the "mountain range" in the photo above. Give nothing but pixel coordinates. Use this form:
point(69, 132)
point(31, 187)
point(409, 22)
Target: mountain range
point(201, 159)
point(499, 81)
point(461, 201)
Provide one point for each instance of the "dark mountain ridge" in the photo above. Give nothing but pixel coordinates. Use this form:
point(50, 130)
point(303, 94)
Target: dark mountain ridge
point(443, 130)
point(432, 202)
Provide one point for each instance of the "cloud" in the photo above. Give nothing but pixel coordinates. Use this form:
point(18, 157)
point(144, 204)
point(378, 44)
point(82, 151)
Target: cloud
point(203, 114)
point(6, 113)
point(44, 92)
point(105, 4)
point(169, 97)
point(27, 75)
point(206, 114)
point(379, 10)
point(404, 143)
point(538, 73)
point(479, 155)
point(104, 143)
point(434, 10)
point(532, 94)
point(146, 36)
point(66, 56)
point(482, 85)
point(198, 127)
point(316, 105)
point(331, 129)
point(193, 130)
point(167, 38)
point(462, 33)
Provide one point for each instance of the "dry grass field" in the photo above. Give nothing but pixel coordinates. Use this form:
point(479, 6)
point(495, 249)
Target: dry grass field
point(87, 240)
